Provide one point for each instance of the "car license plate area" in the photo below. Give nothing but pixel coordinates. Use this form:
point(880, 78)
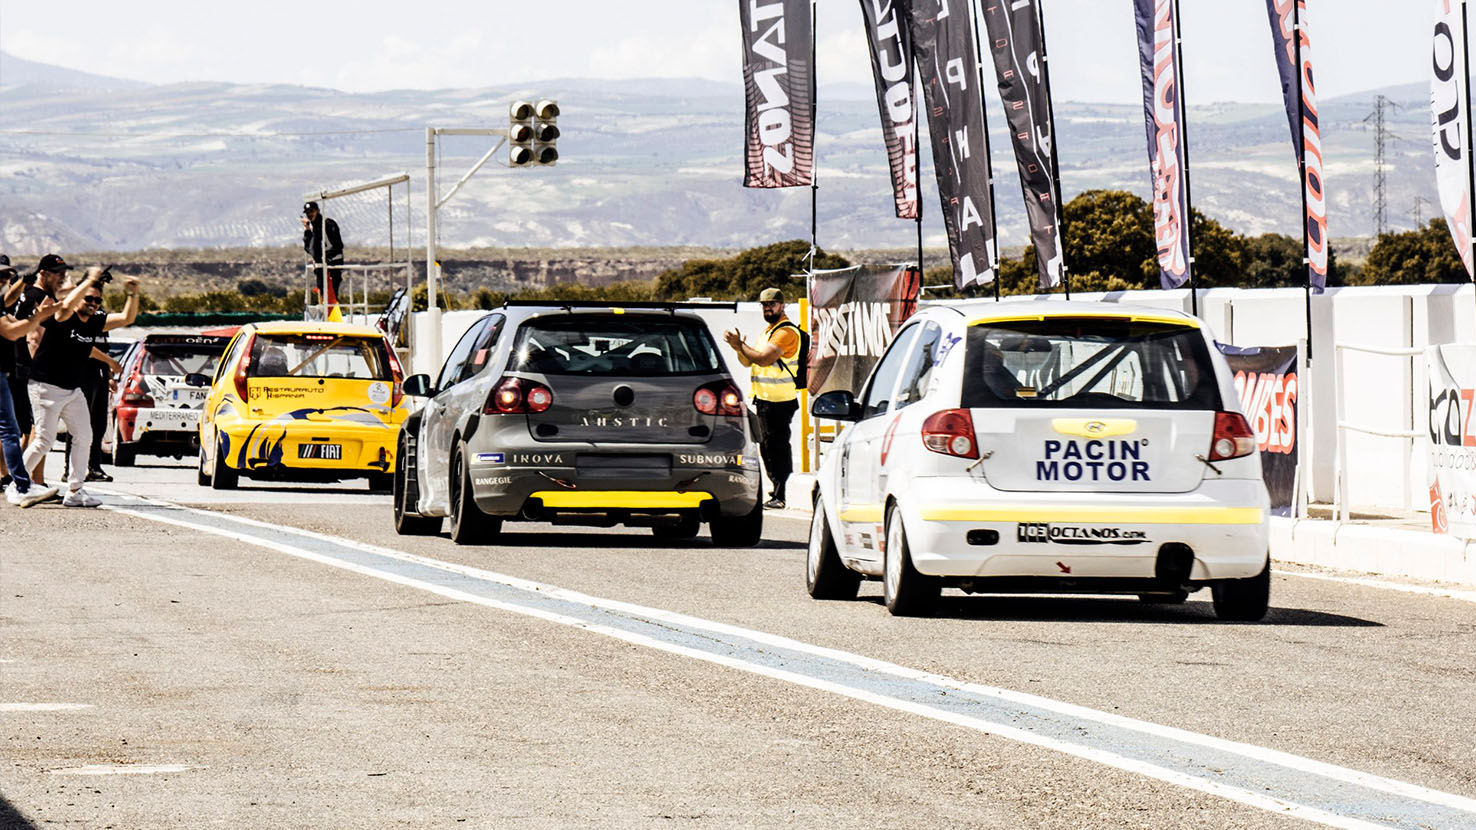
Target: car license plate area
point(321, 452)
point(167, 420)
point(633, 465)
point(189, 397)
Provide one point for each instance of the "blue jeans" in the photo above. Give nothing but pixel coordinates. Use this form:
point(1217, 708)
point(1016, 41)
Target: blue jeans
point(10, 435)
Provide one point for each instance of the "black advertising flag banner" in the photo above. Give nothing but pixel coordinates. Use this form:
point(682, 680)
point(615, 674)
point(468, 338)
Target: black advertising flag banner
point(854, 313)
point(943, 40)
point(1157, 34)
point(1015, 42)
point(1290, 39)
point(890, 41)
point(779, 127)
point(1267, 383)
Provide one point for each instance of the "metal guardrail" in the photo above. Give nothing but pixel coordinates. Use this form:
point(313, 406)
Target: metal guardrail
point(1340, 492)
point(353, 303)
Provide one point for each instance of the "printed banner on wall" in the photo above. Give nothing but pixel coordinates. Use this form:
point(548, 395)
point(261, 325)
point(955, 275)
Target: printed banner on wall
point(890, 40)
point(1448, 125)
point(1016, 44)
point(1452, 447)
point(854, 313)
point(1299, 93)
point(943, 40)
point(1267, 382)
point(779, 128)
point(1167, 163)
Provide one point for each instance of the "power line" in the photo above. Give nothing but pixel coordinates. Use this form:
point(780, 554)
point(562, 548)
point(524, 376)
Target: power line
point(305, 134)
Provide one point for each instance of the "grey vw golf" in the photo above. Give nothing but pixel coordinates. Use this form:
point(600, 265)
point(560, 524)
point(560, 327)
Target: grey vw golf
point(581, 413)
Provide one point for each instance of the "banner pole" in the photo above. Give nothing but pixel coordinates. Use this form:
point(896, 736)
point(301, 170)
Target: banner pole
point(1470, 151)
point(1301, 149)
point(815, 129)
point(988, 154)
point(1060, 210)
point(1183, 106)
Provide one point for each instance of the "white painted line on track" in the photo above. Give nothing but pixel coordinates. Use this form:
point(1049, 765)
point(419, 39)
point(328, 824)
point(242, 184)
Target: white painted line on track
point(43, 707)
point(1147, 769)
point(1369, 582)
point(124, 769)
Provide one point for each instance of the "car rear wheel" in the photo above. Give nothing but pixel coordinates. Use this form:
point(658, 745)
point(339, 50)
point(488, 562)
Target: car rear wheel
point(469, 525)
point(407, 521)
point(202, 474)
point(739, 531)
point(123, 454)
point(1243, 600)
point(222, 475)
point(685, 528)
point(905, 592)
point(826, 576)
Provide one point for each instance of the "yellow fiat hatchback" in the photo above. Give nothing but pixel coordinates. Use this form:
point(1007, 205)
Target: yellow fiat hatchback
point(300, 401)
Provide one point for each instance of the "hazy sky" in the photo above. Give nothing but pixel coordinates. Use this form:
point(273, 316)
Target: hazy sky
point(372, 44)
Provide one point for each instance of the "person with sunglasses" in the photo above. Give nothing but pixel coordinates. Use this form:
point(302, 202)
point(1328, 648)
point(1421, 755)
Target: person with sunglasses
point(57, 372)
point(96, 377)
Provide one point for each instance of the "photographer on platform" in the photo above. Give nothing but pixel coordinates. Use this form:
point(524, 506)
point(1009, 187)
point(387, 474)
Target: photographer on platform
point(57, 375)
point(322, 242)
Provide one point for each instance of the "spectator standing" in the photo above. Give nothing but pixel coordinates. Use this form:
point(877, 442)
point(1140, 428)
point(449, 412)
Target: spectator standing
point(321, 240)
point(39, 287)
point(775, 367)
point(56, 378)
point(96, 378)
point(18, 487)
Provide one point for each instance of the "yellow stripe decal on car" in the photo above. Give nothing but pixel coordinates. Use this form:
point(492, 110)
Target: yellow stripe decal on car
point(629, 499)
point(862, 513)
point(1134, 316)
point(1113, 515)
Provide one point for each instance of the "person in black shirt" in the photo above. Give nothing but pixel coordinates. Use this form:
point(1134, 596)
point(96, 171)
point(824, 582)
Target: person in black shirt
point(56, 378)
point(98, 370)
point(18, 487)
point(321, 240)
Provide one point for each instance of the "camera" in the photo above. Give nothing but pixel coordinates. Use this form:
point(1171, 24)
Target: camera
point(106, 276)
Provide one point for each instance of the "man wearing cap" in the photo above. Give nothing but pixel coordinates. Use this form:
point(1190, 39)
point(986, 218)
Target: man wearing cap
point(18, 487)
point(774, 366)
point(321, 240)
point(39, 288)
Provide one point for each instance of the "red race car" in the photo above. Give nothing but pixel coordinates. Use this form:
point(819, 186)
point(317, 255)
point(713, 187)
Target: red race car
point(155, 412)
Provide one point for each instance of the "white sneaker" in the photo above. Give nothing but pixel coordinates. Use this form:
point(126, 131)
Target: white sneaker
point(31, 497)
point(80, 498)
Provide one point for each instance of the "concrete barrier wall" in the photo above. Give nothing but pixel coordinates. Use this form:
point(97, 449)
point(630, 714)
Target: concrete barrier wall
point(1380, 391)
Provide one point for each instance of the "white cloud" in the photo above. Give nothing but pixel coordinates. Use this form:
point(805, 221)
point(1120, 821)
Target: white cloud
point(713, 52)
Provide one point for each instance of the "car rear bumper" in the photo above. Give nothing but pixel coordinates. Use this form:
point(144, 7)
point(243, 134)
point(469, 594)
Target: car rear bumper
point(274, 447)
point(548, 481)
point(155, 424)
point(968, 529)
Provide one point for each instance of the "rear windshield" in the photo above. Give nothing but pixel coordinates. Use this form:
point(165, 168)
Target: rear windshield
point(1088, 363)
point(319, 356)
point(175, 359)
point(614, 346)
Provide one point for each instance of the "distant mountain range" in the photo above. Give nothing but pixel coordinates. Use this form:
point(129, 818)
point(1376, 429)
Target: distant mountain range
point(95, 163)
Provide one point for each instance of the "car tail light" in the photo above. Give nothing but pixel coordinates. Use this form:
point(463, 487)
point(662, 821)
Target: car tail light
point(135, 393)
point(397, 381)
point(951, 432)
point(1233, 437)
point(244, 366)
point(721, 398)
point(518, 395)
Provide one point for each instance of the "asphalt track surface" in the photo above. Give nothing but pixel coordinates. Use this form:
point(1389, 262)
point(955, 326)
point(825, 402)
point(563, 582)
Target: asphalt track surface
point(278, 657)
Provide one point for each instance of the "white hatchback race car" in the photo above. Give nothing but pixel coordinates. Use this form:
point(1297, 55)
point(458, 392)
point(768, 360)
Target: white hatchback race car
point(1046, 447)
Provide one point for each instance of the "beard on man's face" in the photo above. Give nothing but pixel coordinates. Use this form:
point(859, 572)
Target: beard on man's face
point(774, 315)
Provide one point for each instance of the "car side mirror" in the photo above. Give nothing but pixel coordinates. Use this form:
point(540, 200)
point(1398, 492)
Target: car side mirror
point(418, 386)
point(838, 405)
point(196, 379)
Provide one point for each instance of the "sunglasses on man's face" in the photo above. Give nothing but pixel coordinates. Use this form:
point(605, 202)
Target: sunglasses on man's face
point(92, 300)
